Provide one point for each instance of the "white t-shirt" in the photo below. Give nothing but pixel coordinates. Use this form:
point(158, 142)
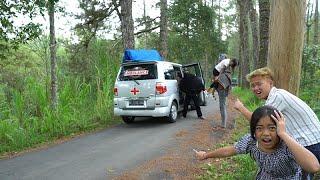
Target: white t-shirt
point(222, 65)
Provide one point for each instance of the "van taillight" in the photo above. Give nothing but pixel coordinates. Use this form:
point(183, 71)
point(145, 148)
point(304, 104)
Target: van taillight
point(115, 91)
point(161, 88)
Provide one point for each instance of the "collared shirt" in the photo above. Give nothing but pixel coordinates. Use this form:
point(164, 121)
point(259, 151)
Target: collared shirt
point(279, 164)
point(301, 122)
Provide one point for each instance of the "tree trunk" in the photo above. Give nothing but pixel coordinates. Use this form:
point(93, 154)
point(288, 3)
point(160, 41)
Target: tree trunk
point(220, 20)
point(53, 58)
point(255, 33)
point(315, 38)
point(127, 26)
point(164, 29)
point(244, 43)
point(145, 25)
point(305, 56)
point(286, 42)
point(264, 11)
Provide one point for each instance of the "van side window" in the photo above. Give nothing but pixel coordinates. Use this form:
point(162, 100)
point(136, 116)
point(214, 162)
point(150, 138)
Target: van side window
point(138, 72)
point(169, 75)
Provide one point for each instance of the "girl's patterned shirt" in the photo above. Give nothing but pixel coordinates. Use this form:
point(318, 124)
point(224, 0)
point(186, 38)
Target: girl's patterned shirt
point(276, 165)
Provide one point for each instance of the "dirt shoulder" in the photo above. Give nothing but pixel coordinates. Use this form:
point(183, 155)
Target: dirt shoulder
point(179, 162)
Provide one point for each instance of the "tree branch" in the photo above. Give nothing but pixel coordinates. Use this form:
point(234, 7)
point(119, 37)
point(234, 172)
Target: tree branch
point(146, 30)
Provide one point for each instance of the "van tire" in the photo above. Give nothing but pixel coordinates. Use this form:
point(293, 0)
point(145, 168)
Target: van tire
point(128, 119)
point(173, 115)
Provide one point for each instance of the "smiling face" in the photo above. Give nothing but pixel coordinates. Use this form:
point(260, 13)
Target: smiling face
point(266, 134)
point(261, 86)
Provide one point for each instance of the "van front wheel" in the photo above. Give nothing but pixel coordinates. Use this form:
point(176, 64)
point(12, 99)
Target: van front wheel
point(173, 115)
point(128, 119)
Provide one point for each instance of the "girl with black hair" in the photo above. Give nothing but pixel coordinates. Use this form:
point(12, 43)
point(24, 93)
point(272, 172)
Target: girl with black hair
point(277, 154)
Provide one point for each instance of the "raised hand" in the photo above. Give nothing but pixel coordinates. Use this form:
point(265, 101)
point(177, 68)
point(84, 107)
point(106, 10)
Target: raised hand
point(280, 121)
point(238, 104)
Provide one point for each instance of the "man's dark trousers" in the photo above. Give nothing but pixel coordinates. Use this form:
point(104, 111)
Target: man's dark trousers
point(195, 99)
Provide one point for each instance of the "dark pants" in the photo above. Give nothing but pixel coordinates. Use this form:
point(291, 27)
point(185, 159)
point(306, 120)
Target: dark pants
point(315, 149)
point(195, 99)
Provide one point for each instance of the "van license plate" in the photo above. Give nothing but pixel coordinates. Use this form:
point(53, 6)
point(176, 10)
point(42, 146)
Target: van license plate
point(136, 102)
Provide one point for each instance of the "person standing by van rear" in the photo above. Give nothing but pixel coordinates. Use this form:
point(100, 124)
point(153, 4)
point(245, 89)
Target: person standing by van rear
point(221, 82)
point(191, 85)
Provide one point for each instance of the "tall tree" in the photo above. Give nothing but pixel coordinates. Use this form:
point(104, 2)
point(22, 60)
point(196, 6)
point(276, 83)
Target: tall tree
point(308, 24)
point(163, 29)
point(316, 35)
point(127, 25)
point(255, 32)
point(264, 11)
point(193, 35)
point(145, 26)
point(244, 42)
point(53, 55)
point(286, 42)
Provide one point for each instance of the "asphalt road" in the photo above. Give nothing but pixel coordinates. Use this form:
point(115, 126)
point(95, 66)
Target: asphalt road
point(102, 155)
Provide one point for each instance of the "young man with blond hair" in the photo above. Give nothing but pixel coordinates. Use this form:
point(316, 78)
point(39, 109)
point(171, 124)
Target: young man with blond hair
point(301, 122)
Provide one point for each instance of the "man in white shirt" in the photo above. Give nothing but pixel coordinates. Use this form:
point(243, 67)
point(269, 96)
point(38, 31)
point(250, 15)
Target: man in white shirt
point(301, 122)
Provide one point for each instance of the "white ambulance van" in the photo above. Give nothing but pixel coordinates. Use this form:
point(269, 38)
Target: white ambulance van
point(146, 86)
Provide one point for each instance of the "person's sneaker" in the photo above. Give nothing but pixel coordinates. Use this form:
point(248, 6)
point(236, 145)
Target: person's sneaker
point(201, 117)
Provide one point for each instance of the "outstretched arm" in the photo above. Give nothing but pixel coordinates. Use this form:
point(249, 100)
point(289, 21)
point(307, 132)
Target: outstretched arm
point(218, 153)
point(303, 156)
point(238, 105)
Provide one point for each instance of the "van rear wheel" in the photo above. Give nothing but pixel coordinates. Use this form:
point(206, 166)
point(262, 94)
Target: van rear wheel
point(128, 119)
point(173, 115)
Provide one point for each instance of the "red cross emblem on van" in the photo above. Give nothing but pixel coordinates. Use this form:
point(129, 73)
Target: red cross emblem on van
point(134, 91)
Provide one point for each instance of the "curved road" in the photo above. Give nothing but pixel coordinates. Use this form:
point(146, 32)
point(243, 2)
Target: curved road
point(102, 155)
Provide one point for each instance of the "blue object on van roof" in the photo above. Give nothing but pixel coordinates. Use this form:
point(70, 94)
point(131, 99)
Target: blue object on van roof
point(141, 55)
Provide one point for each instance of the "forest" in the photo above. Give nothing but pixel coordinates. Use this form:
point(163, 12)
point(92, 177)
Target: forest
point(52, 86)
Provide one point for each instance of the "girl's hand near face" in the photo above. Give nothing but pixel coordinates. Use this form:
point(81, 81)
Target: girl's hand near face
point(280, 121)
point(303, 156)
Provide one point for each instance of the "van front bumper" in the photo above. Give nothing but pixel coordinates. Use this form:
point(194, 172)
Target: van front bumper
point(157, 112)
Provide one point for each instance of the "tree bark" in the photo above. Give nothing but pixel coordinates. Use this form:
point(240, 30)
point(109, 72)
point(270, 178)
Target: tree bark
point(255, 33)
point(145, 25)
point(127, 25)
point(264, 11)
point(286, 42)
point(164, 29)
point(53, 58)
point(315, 37)
point(308, 24)
point(244, 43)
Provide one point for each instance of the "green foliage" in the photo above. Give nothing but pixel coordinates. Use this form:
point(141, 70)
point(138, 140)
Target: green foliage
point(85, 99)
point(10, 11)
point(194, 35)
point(247, 97)
point(310, 79)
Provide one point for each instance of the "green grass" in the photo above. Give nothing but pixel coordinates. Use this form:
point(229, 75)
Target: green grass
point(26, 119)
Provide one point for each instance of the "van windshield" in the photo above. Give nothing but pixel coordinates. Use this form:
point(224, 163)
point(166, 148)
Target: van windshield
point(138, 72)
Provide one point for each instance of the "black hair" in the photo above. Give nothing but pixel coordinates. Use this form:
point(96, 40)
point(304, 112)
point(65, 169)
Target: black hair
point(234, 63)
point(259, 113)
